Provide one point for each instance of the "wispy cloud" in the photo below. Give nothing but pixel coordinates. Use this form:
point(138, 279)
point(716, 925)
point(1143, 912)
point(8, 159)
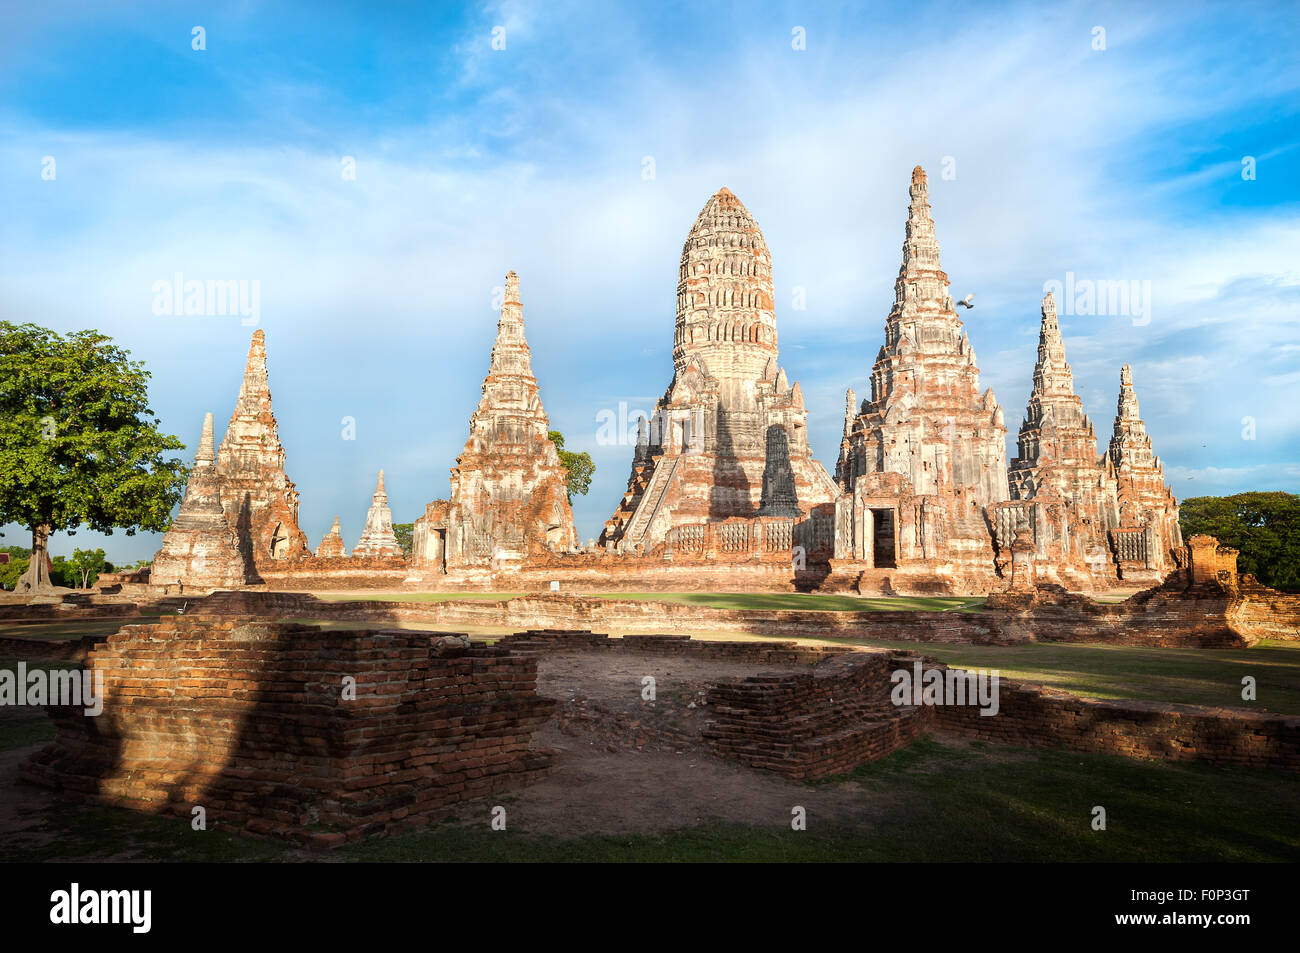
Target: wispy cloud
point(1115, 164)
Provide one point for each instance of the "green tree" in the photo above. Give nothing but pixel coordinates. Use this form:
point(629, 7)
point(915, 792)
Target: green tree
point(405, 533)
point(79, 445)
point(1263, 526)
point(579, 467)
point(11, 571)
point(87, 564)
point(61, 574)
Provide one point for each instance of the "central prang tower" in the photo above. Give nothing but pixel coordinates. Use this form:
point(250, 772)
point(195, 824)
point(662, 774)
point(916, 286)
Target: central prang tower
point(729, 438)
point(725, 316)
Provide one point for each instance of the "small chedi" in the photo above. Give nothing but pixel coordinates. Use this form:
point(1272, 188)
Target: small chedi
point(377, 538)
point(200, 550)
point(509, 491)
point(729, 438)
point(260, 500)
point(331, 544)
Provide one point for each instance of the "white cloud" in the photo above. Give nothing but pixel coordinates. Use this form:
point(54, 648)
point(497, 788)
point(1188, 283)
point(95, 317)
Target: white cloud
point(376, 293)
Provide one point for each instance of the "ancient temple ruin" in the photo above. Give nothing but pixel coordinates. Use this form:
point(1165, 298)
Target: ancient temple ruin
point(1063, 493)
point(922, 459)
point(331, 544)
point(509, 490)
point(1090, 521)
point(723, 485)
point(930, 502)
point(729, 438)
point(200, 550)
point(260, 501)
point(1148, 533)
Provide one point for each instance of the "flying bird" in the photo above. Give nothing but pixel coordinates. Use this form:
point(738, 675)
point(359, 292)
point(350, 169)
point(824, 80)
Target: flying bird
point(966, 301)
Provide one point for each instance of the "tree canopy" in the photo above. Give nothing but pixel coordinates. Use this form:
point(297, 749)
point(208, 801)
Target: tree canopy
point(87, 564)
point(1263, 526)
point(405, 533)
point(579, 466)
point(79, 445)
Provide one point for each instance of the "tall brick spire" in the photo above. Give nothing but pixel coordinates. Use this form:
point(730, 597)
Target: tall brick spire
point(729, 437)
point(1144, 498)
point(927, 418)
point(509, 495)
point(1057, 478)
point(510, 389)
point(1057, 442)
point(922, 284)
point(1130, 446)
point(510, 354)
point(1052, 376)
point(260, 500)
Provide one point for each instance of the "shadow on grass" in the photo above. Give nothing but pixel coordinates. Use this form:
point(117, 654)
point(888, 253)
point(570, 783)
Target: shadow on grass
point(950, 801)
point(938, 800)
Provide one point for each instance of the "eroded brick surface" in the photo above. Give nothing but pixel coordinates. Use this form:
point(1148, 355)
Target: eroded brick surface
point(250, 720)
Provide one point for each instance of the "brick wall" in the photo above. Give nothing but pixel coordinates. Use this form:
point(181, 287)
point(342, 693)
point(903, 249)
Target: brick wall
point(1038, 717)
point(330, 573)
point(1266, 613)
point(814, 724)
point(247, 719)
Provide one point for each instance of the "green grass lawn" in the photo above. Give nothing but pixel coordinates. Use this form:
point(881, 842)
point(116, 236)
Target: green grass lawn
point(937, 800)
point(22, 725)
point(814, 602)
point(1187, 676)
point(70, 629)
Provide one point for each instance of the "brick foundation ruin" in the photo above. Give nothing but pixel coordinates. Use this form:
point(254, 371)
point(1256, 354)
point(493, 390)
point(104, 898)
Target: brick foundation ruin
point(838, 713)
point(1036, 717)
point(249, 721)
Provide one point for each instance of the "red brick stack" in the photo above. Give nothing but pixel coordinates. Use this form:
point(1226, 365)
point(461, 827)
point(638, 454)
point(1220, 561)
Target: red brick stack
point(249, 720)
point(816, 724)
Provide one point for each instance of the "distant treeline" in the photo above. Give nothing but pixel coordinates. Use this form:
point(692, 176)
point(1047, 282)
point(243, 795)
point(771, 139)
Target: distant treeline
point(1264, 527)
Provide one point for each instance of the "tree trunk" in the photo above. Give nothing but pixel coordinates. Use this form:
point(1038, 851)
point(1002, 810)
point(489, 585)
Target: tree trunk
point(37, 577)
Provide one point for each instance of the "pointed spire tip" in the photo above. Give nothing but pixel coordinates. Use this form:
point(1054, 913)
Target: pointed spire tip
point(207, 445)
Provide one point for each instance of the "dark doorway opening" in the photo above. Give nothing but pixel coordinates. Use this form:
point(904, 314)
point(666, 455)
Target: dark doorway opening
point(883, 541)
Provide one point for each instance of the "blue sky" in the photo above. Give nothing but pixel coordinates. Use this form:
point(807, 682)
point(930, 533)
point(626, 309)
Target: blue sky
point(1114, 164)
